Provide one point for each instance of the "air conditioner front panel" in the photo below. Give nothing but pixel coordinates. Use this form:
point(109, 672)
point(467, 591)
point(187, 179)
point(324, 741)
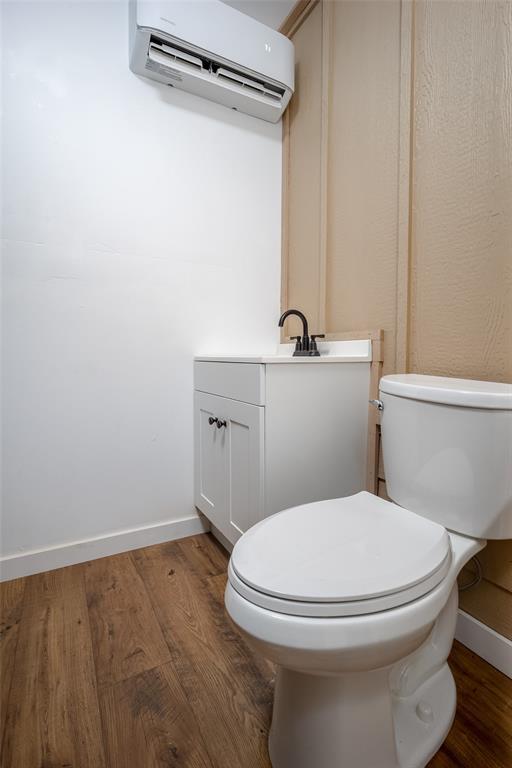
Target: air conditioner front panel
point(213, 26)
point(182, 63)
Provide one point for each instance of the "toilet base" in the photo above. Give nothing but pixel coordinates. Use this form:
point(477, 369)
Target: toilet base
point(354, 721)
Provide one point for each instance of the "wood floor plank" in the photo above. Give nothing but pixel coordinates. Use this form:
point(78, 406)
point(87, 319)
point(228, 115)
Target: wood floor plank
point(217, 587)
point(11, 604)
point(179, 686)
point(230, 698)
point(482, 731)
point(53, 717)
point(251, 665)
point(127, 639)
point(208, 557)
point(149, 723)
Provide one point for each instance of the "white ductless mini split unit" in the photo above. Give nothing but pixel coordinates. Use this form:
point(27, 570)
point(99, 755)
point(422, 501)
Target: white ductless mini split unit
point(211, 50)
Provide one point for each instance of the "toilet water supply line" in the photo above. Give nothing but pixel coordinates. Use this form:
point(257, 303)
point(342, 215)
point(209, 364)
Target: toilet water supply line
point(478, 575)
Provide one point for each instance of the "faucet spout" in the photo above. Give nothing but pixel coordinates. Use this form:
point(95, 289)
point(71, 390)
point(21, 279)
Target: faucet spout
point(305, 346)
point(301, 316)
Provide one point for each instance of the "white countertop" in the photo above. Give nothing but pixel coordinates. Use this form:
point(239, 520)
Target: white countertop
point(353, 351)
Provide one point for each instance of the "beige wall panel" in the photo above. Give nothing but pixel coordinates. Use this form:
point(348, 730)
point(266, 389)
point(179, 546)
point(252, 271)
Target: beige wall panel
point(461, 278)
point(303, 288)
point(489, 604)
point(362, 198)
point(461, 245)
point(496, 560)
point(455, 184)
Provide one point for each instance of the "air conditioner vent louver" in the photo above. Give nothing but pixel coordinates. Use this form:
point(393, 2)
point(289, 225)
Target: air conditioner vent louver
point(255, 85)
point(167, 54)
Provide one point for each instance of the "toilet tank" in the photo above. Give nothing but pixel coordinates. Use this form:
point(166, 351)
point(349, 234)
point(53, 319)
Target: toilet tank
point(447, 450)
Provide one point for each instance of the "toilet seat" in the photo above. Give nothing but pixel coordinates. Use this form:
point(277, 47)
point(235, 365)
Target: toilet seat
point(343, 557)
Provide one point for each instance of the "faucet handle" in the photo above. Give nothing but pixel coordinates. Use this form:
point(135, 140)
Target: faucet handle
point(313, 347)
point(298, 342)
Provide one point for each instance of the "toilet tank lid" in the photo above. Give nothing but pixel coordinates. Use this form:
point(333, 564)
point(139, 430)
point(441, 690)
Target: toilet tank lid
point(467, 393)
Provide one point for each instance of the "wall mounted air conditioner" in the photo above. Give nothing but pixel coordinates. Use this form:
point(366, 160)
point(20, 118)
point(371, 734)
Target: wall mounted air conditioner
point(210, 49)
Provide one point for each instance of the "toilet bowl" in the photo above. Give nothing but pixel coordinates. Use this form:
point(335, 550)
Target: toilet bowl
point(355, 599)
point(354, 674)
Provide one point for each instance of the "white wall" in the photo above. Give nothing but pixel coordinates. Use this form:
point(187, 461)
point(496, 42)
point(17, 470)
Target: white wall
point(269, 12)
point(140, 225)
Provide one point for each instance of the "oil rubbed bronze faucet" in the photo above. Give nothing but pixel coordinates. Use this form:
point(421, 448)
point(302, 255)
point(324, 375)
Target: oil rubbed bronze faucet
point(305, 345)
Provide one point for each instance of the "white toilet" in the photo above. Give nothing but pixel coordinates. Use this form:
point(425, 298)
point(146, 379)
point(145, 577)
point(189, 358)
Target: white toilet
point(355, 599)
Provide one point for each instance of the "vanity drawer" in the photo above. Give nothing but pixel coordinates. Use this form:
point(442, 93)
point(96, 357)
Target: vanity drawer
point(239, 381)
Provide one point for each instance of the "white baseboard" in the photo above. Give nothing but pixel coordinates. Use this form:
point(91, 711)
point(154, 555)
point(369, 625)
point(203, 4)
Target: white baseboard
point(36, 561)
point(485, 642)
point(228, 546)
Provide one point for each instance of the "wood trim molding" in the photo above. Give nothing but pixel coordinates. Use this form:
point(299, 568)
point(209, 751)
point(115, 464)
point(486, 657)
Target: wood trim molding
point(405, 168)
point(297, 16)
point(285, 215)
point(372, 460)
point(327, 27)
point(290, 25)
point(376, 337)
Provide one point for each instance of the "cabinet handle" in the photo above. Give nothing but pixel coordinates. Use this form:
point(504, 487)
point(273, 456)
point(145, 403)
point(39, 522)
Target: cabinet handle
point(212, 420)
point(221, 423)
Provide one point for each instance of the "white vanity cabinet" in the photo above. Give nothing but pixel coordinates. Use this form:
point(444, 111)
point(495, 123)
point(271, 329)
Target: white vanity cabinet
point(275, 432)
point(229, 463)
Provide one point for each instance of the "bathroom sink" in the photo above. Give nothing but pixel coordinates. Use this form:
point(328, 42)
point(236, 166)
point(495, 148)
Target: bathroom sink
point(354, 350)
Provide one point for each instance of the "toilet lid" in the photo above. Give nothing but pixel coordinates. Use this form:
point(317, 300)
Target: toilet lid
point(359, 550)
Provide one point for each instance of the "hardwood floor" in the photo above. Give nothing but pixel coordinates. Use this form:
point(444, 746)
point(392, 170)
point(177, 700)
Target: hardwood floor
point(130, 662)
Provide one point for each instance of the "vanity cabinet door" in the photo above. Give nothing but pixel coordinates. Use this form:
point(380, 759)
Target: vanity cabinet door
point(229, 463)
point(244, 467)
point(210, 460)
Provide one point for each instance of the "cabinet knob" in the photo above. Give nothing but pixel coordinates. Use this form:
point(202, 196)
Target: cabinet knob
point(219, 422)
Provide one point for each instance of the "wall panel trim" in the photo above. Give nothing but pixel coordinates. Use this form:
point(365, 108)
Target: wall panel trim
point(297, 16)
point(405, 169)
point(327, 30)
point(285, 183)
